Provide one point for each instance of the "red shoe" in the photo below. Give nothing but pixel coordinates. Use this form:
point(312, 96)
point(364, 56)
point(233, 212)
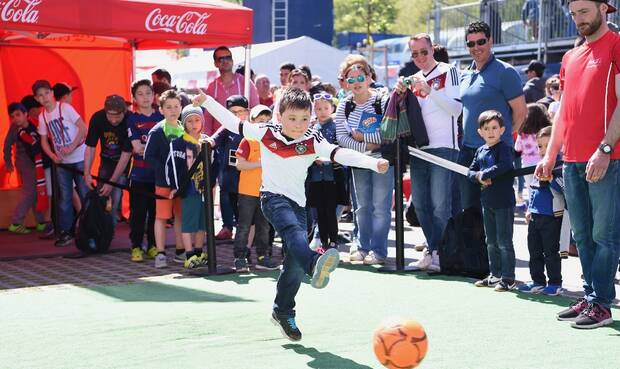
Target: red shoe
point(224, 234)
point(320, 250)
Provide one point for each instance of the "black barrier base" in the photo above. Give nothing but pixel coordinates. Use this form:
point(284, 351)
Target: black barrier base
point(204, 272)
point(394, 270)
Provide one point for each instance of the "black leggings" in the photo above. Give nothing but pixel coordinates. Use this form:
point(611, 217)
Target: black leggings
point(328, 224)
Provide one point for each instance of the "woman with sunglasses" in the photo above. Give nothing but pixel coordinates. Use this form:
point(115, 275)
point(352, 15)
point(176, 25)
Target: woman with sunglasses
point(357, 120)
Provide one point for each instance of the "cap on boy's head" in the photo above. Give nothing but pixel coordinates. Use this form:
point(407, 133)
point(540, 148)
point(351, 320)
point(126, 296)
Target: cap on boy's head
point(535, 66)
point(190, 110)
point(236, 100)
point(16, 106)
point(61, 89)
point(115, 103)
point(258, 110)
point(40, 84)
point(30, 102)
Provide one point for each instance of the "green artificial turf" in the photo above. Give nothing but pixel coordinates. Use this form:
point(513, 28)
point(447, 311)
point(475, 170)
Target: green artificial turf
point(223, 322)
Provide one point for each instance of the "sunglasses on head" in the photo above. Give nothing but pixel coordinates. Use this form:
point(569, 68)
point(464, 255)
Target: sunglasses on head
point(478, 42)
point(422, 52)
point(352, 80)
point(224, 58)
point(322, 96)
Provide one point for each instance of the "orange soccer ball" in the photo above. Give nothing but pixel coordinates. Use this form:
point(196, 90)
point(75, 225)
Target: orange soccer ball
point(402, 345)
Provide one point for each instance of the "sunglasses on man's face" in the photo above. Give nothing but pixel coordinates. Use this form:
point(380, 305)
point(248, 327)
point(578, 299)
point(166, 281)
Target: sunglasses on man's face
point(352, 80)
point(423, 52)
point(322, 96)
point(478, 42)
point(222, 59)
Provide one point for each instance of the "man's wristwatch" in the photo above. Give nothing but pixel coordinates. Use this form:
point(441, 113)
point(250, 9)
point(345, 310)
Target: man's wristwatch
point(605, 148)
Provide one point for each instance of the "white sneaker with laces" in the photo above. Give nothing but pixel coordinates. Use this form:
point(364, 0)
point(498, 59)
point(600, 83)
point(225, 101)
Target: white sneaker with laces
point(161, 261)
point(358, 255)
point(372, 259)
point(423, 263)
point(434, 267)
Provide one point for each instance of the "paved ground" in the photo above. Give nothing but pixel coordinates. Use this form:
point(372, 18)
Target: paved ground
point(115, 267)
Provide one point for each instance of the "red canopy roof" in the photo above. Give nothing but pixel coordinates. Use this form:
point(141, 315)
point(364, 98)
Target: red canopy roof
point(147, 24)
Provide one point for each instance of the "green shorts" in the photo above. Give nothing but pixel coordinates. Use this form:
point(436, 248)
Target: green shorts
point(193, 210)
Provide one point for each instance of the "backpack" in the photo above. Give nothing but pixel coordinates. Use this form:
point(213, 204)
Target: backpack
point(94, 228)
point(463, 250)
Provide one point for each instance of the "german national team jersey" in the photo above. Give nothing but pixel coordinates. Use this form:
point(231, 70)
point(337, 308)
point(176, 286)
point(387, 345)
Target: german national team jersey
point(586, 72)
point(285, 161)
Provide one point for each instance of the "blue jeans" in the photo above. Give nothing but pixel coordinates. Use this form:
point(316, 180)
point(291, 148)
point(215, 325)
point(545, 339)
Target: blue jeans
point(498, 228)
point(470, 192)
point(228, 209)
point(289, 220)
point(105, 172)
point(520, 180)
point(595, 220)
point(66, 179)
point(374, 209)
point(431, 193)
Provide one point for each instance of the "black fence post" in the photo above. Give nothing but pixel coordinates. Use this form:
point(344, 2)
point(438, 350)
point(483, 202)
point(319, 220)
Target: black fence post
point(212, 266)
point(399, 267)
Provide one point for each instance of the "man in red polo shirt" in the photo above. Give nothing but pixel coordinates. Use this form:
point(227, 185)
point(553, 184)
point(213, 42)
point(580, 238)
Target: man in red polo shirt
point(588, 127)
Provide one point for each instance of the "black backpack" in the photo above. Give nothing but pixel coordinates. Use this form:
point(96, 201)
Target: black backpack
point(463, 250)
point(94, 229)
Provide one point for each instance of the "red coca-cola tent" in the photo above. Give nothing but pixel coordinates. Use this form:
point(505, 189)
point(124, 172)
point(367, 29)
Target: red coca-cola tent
point(90, 45)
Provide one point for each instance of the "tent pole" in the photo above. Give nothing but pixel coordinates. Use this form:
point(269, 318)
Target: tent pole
point(246, 85)
point(133, 60)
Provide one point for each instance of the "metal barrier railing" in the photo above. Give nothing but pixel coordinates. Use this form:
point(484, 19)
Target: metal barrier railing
point(512, 22)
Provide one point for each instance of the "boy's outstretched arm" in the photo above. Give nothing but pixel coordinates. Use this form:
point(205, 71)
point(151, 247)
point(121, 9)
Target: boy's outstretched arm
point(353, 158)
point(220, 113)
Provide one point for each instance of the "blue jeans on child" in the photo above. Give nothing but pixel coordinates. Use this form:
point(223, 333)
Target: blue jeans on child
point(595, 220)
point(498, 226)
point(374, 212)
point(66, 179)
point(289, 220)
point(431, 193)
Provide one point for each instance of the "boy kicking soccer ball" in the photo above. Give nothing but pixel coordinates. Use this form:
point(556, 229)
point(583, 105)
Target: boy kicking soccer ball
point(287, 150)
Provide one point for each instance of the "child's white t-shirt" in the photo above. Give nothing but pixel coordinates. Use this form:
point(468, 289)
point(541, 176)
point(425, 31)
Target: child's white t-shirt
point(60, 125)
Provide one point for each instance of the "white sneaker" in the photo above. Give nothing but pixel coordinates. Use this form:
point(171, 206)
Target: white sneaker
point(421, 246)
point(372, 259)
point(435, 266)
point(423, 263)
point(358, 255)
point(161, 261)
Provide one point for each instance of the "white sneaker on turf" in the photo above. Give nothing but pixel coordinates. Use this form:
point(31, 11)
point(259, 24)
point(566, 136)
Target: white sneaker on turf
point(423, 263)
point(161, 261)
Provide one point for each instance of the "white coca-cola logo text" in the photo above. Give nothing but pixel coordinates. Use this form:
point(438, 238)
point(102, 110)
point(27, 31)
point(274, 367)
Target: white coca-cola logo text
point(189, 23)
point(19, 11)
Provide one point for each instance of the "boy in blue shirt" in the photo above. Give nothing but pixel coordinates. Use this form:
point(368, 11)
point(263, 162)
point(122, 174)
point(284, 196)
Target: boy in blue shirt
point(142, 179)
point(492, 160)
point(544, 218)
